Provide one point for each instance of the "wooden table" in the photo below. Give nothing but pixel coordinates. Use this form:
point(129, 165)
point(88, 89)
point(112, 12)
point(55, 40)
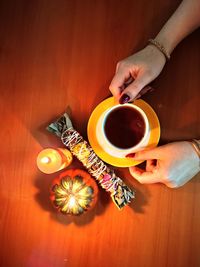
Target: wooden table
point(59, 53)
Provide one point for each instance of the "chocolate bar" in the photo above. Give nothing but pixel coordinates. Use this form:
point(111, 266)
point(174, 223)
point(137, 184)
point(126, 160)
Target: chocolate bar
point(121, 194)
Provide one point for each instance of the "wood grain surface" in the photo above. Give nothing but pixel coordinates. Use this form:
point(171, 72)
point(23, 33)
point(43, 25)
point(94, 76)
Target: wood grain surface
point(56, 54)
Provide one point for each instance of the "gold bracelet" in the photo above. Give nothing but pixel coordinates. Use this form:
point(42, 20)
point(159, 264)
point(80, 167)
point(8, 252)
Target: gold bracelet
point(196, 145)
point(160, 48)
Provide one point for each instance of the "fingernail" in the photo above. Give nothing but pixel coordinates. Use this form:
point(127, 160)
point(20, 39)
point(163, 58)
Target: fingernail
point(131, 155)
point(124, 99)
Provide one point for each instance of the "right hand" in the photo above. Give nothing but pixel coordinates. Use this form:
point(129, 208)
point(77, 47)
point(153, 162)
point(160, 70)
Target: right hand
point(173, 164)
point(135, 72)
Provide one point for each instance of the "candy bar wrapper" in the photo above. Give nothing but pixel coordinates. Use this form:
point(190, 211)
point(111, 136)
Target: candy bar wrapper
point(121, 194)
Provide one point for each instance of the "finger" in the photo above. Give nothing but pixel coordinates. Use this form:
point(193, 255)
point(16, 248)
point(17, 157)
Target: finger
point(144, 91)
point(129, 81)
point(151, 165)
point(144, 177)
point(118, 81)
point(150, 154)
point(136, 86)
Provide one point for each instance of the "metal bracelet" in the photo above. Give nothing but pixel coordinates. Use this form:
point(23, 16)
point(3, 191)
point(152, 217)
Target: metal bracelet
point(160, 48)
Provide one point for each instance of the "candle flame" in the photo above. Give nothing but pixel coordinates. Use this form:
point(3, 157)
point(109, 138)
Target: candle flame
point(72, 201)
point(45, 160)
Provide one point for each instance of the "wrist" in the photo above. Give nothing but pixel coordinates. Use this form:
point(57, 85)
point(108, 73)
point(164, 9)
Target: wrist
point(160, 47)
point(157, 54)
point(196, 147)
point(166, 42)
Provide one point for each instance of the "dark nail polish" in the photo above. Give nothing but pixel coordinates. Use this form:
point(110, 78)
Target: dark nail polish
point(124, 99)
point(131, 155)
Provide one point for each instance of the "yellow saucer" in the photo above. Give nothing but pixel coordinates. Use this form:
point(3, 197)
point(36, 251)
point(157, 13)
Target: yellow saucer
point(91, 130)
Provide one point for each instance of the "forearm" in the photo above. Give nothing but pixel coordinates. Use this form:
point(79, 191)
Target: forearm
point(184, 20)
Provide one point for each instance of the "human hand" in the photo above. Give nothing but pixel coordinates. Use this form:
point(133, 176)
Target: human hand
point(173, 164)
point(135, 72)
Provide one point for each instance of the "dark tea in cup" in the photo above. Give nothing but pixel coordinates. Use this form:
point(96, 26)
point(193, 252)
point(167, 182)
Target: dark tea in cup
point(124, 127)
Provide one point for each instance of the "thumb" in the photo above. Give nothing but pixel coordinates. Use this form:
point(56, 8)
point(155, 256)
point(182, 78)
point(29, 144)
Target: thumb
point(154, 153)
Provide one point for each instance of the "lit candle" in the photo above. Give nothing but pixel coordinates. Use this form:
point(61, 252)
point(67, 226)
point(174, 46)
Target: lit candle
point(72, 202)
point(74, 192)
point(52, 160)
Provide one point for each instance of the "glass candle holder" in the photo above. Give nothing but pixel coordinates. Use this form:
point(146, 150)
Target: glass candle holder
point(51, 160)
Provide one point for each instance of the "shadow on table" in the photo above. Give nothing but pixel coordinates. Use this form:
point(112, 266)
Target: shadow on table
point(142, 193)
point(141, 200)
point(43, 184)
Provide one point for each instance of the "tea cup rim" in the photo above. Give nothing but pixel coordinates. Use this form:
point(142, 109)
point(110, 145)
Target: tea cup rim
point(114, 149)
